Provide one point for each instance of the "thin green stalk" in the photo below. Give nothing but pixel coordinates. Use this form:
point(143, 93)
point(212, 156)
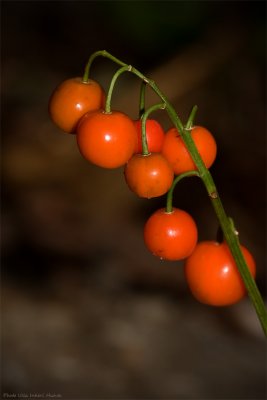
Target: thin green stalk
point(160, 106)
point(229, 233)
point(142, 106)
point(176, 180)
point(191, 118)
point(100, 53)
point(112, 84)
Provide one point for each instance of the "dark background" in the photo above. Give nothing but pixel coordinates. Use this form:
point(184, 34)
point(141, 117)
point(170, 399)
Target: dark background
point(87, 312)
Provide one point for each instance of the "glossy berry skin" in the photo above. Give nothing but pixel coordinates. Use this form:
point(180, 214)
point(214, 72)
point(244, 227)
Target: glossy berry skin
point(170, 236)
point(177, 154)
point(72, 99)
point(154, 136)
point(148, 175)
point(212, 274)
point(107, 140)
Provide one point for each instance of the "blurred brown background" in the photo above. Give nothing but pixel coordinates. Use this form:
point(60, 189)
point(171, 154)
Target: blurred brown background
point(87, 312)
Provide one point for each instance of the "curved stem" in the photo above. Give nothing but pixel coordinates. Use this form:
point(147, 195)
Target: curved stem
point(112, 84)
point(229, 233)
point(102, 53)
point(176, 180)
point(160, 106)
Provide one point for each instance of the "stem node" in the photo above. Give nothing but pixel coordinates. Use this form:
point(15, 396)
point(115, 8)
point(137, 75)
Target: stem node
point(232, 225)
point(188, 128)
point(214, 195)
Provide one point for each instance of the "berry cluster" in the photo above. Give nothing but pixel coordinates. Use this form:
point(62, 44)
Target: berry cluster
point(151, 159)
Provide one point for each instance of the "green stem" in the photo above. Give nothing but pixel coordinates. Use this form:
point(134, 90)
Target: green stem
point(227, 228)
point(142, 99)
point(231, 237)
point(191, 118)
point(102, 53)
point(160, 106)
point(112, 84)
point(176, 180)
